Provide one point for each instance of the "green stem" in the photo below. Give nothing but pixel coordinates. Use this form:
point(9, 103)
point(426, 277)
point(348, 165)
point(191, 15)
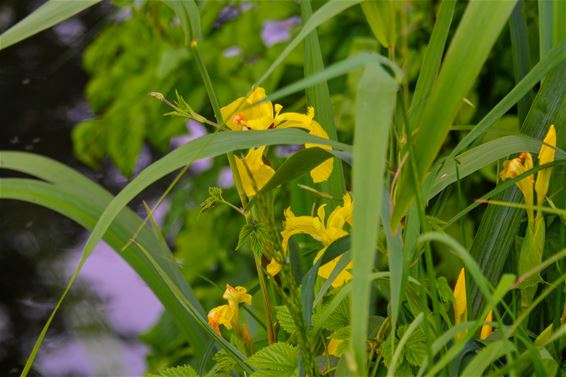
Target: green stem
point(237, 180)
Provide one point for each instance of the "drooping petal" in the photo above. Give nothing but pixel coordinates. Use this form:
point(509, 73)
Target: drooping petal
point(221, 315)
point(253, 171)
point(326, 269)
point(302, 225)
point(273, 268)
point(545, 156)
point(306, 121)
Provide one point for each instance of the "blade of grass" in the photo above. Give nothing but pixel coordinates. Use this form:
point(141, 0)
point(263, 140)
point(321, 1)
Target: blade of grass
point(484, 154)
point(377, 90)
point(203, 147)
point(466, 54)
point(499, 225)
point(521, 54)
point(552, 60)
point(319, 97)
point(399, 350)
point(432, 60)
point(323, 14)
point(49, 14)
point(493, 351)
point(84, 208)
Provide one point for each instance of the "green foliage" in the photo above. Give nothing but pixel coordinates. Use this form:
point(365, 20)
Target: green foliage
point(181, 371)
point(425, 124)
point(279, 359)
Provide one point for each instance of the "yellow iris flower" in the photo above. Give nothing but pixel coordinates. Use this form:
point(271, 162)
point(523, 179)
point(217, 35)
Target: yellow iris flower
point(325, 233)
point(461, 307)
point(245, 114)
point(254, 172)
point(523, 163)
point(228, 315)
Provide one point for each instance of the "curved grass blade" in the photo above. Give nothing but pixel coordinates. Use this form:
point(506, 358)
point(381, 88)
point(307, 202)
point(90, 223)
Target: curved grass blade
point(478, 365)
point(360, 60)
point(399, 350)
point(500, 225)
point(319, 97)
point(84, 208)
point(476, 158)
point(466, 54)
point(377, 90)
point(323, 14)
point(206, 146)
point(432, 60)
point(551, 61)
point(49, 14)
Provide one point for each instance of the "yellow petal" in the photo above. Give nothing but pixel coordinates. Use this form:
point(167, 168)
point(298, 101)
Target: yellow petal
point(253, 171)
point(460, 301)
point(486, 330)
point(516, 167)
point(341, 214)
point(245, 113)
point(237, 295)
point(307, 122)
point(326, 269)
point(548, 149)
point(221, 315)
point(273, 268)
point(302, 225)
point(546, 155)
point(322, 172)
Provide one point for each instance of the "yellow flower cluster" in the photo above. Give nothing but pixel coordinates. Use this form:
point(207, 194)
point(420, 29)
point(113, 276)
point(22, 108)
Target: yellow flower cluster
point(228, 315)
point(249, 113)
point(324, 232)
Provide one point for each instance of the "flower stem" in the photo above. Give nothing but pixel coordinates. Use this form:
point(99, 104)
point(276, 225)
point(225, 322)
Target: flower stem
point(238, 182)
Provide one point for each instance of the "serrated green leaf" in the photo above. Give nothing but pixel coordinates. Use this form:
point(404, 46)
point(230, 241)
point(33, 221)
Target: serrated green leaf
point(415, 348)
point(277, 360)
point(285, 319)
point(180, 371)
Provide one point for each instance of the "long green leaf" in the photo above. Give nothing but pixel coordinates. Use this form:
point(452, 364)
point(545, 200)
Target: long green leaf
point(319, 96)
point(375, 104)
point(552, 60)
point(462, 65)
point(500, 225)
point(203, 147)
point(432, 59)
point(478, 365)
point(323, 14)
point(362, 59)
point(49, 14)
point(484, 154)
point(521, 54)
point(84, 207)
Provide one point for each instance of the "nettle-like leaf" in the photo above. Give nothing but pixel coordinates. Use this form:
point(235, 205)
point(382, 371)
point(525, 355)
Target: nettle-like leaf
point(224, 364)
point(285, 319)
point(277, 360)
point(256, 236)
point(180, 371)
point(337, 320)
point(415, 348)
